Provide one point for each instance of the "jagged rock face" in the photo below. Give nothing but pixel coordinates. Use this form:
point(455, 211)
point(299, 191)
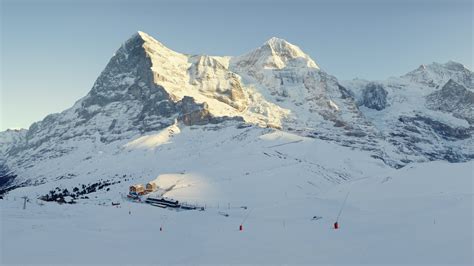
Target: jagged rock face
point(414, 124)
point(126, 77)
point(374, 96)
point(215, 81)
point(128, 81)
point(194, 114)
point(434, 139)
point(453, 98)
point(124, 101)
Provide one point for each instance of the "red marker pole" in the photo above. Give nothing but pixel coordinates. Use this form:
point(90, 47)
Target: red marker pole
point(241, 227)
point(336, 225)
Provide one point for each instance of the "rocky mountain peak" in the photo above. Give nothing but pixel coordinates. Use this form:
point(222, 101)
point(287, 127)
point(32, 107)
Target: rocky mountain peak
point(436, 74)
point(276, 53)
point(421, 67)
point(143, 38)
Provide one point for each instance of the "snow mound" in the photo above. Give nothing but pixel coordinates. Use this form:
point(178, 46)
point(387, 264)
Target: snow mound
point(154, 140)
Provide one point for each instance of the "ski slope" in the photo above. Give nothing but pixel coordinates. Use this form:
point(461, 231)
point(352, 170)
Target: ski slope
point(420, 214)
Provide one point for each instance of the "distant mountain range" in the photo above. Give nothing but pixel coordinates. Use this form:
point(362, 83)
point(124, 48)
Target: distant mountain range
point(147, 88)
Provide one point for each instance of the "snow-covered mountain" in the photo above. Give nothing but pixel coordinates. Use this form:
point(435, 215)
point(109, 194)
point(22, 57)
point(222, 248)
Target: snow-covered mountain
point(318, 105)
point(426, 113)
point(266, 140)
point(148, 89)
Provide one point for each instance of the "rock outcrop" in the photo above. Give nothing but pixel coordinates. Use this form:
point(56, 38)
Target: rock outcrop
point(453, 98)
point(374, 96)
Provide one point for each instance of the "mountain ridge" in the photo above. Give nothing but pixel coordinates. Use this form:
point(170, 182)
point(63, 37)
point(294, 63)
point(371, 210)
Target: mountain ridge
point(147, 87)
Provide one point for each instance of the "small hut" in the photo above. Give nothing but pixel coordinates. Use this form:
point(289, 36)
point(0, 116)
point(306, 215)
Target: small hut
point(137, 189)
point(151, 187)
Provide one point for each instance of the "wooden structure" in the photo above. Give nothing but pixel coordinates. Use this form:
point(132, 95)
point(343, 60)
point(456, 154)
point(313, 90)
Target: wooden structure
point(138, 189)
point(151, 187)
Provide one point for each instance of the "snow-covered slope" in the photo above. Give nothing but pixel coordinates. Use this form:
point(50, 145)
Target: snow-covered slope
point(420, 214)
point(217, 152)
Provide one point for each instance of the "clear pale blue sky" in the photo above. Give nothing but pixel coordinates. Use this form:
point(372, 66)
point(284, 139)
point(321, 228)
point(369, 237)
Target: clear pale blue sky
point(52, 51)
